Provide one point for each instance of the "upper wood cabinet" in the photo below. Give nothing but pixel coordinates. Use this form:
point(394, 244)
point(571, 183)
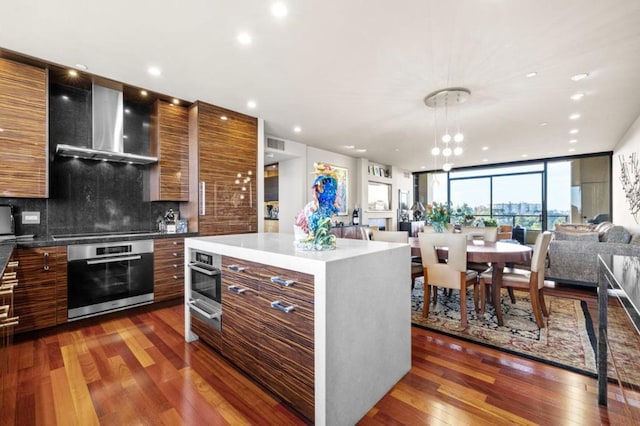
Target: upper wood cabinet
point(224, 149)
point(23, 130)
point(170, 143)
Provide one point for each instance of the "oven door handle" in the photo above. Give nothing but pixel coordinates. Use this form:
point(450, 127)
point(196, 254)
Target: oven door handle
point(203, 271)
point(112, 260)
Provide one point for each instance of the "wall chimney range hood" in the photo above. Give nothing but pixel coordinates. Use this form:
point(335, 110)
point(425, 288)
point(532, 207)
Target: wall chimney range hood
point(107, 131)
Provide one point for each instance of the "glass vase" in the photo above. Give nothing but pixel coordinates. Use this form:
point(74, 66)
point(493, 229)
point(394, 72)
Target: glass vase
point(438, 227)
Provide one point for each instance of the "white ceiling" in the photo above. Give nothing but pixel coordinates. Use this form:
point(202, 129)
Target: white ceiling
point(355, 72)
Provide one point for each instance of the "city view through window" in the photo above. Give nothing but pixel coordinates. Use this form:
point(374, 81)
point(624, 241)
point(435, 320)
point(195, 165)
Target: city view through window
point(530, 195)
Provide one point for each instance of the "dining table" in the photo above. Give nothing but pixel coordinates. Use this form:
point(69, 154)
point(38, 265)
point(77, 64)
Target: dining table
point(498, 254)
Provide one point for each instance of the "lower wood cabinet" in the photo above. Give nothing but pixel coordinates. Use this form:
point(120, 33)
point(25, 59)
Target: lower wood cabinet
point(268, 328)
point(40, 298)
point(168, 269)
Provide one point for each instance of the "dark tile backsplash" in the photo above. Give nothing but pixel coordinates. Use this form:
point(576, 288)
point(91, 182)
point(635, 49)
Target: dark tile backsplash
point(91, 196)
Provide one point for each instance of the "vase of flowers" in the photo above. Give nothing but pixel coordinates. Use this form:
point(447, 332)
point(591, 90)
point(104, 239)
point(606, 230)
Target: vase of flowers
point(438, 215)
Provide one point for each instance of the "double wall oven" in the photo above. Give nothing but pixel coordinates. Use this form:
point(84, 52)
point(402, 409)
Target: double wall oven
point(108, 277)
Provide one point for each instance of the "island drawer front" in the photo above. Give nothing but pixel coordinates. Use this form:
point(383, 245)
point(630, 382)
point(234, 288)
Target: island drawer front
point(240, 343)
point(206, 333)
point(299, 394)
point(301, 286)
point(295, 326)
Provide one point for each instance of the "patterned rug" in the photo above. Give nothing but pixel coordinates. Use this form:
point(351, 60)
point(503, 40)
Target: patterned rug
point(568, 340)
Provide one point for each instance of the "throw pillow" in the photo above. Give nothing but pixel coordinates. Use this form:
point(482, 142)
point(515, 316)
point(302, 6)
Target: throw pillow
point(616, 234)
point(577, 236)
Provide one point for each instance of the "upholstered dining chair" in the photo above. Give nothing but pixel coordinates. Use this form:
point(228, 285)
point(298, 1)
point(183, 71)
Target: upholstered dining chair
point(452, 274)
point(488, 234)
point(365, 233)
point(399, 237)
point(531, 280)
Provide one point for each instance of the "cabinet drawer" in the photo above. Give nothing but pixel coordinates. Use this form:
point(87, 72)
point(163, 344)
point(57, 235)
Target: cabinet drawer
point(272, 278)
point(206, 333)
point(295, 326)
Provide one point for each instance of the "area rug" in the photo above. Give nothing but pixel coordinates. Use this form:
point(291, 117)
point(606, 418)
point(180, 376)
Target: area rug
point(568, 341)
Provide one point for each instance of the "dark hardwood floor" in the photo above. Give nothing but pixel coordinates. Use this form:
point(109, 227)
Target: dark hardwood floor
point(135, 368)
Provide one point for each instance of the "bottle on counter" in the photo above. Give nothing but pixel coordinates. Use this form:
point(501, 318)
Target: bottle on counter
point(355, 217)
point(170, 221)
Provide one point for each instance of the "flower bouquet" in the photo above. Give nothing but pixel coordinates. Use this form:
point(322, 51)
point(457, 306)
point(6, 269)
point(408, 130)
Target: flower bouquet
point(438, 215)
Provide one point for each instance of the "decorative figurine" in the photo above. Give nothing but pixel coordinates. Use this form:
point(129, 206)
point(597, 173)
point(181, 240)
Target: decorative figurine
point(313, 222)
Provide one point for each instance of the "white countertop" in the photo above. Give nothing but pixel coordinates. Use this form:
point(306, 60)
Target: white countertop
point(279, 249)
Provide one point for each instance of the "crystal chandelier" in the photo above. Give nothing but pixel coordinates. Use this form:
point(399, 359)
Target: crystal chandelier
point(448, 145)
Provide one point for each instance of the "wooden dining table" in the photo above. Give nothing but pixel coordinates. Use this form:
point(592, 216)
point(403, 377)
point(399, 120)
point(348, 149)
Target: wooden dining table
point(498, 254)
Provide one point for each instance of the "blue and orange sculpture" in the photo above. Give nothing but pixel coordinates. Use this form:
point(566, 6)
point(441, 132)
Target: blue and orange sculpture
point(314, 219)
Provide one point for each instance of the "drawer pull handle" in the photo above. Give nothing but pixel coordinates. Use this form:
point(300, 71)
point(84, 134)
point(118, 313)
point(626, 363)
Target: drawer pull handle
point(13, 263)
point(175, 277)
point(236, 289)
point(286, 283)
point(286, 309)
point(9, 276)
point(175, 254)
point(237, 268)
point(9, 322)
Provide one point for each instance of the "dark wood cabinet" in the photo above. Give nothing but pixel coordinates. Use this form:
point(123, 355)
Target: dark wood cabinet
point(271, 188)
point(268, 328)
point(168, 269)
point(347, 231)
point(223, 149)
point(40, 299)
point(170, 143)
point(23, 138)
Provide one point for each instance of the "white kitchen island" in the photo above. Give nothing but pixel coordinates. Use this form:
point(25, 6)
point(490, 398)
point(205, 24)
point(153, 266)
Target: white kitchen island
point(361, 314)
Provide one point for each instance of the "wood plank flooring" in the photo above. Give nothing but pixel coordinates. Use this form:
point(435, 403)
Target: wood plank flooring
point(135, 368)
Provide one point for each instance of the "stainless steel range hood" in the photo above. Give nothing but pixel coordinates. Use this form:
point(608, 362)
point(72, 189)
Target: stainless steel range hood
point(107, 126)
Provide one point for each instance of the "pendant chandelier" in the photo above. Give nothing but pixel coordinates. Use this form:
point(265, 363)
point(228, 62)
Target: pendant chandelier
point(447, 145)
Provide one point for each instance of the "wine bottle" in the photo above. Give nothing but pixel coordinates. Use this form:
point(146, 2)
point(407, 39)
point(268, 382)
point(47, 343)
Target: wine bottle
point(355, 217)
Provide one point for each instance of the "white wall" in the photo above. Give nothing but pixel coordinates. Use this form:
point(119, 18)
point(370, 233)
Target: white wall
point(630, 143)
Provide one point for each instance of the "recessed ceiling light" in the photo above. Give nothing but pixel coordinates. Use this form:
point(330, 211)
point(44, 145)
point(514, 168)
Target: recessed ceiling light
point(252, 104)
point(176, 101)
point(73, 73)
point(82, 67)
point(579, 77)
point(574, 116)
point(361, 150)
point(297, 129)
point(484, 160)
point(484, 148)
point(154, 71)
point(525, 155)
point(143, 93)
point(531, 74)
point(544, 123)
point(574, 131)
point(349, 146)
point(577, 96)
point(244, 38)
point(573, 140)
point(279, 9)
point(423, 167)
point(572, 150)
point(223, 118)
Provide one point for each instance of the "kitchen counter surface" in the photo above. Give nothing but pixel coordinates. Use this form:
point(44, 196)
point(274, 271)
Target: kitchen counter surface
point(51, 241)
point(6, 249)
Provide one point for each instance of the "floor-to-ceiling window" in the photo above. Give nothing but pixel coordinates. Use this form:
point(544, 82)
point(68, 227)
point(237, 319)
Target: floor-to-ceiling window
point(535, 195)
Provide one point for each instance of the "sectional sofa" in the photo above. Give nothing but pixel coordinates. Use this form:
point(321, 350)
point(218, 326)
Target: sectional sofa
point(573, 252)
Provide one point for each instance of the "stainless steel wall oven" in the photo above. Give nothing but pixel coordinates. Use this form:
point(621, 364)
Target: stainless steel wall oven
point(206, 282)
point(107, 277)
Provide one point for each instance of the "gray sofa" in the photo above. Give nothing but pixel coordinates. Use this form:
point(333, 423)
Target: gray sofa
point(573, 253)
